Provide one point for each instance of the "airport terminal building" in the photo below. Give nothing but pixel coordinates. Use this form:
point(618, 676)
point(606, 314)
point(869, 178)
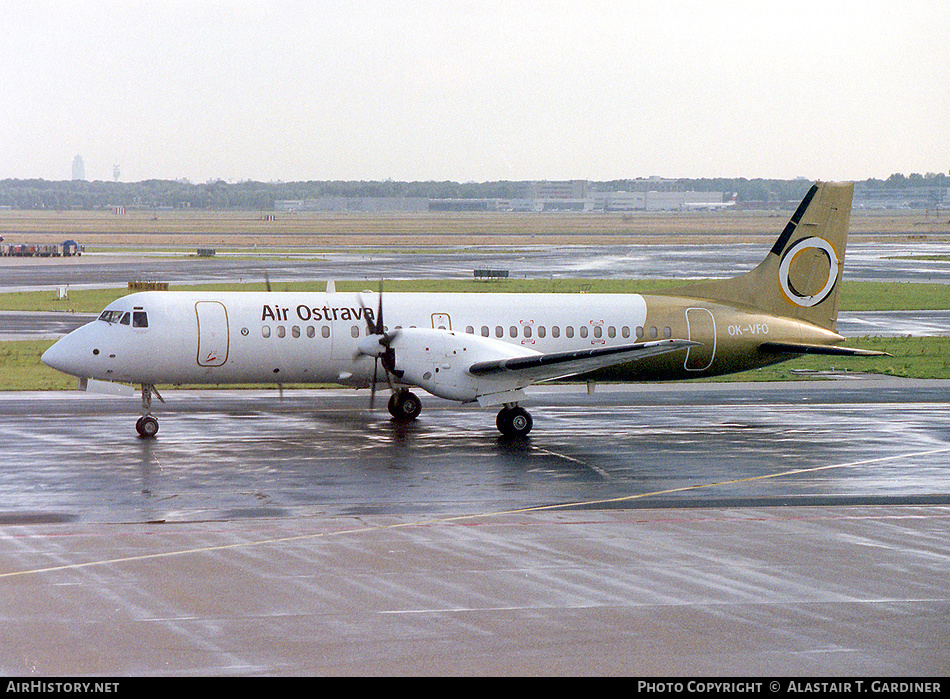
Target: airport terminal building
point(649, 194)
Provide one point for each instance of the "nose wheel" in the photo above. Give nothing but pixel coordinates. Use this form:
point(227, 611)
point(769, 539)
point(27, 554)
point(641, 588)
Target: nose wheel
point(514, 421)
point(147, 426)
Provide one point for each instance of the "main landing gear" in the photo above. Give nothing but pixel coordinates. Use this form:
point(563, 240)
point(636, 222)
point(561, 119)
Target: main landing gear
point(404, 406)
point(147, 425)
point(514, 421)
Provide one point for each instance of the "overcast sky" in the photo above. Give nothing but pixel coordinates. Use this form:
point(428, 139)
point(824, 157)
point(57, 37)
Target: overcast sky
point(480, 90)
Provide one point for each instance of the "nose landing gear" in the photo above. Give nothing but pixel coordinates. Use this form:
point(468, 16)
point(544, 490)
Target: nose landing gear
point(147, 425)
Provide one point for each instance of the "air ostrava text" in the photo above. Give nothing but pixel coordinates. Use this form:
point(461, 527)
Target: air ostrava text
point(306, 313)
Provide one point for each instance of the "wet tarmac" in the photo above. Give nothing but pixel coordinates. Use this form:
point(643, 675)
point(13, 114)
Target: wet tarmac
point(225, 454)
point(865, 262)
point(706, 529)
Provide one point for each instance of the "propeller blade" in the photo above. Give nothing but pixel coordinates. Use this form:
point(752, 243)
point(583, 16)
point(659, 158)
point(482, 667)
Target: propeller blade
point(380, 328)
point(372, 389)
point(377, 344)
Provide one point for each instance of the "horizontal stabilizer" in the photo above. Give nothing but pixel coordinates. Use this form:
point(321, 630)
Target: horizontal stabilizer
point(793, 348)
point(542, 367)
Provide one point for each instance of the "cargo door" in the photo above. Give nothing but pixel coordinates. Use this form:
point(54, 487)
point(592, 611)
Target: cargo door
point(213, 340)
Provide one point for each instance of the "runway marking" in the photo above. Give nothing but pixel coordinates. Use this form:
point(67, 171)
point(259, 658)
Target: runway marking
point(462, 518)
point(596, 469)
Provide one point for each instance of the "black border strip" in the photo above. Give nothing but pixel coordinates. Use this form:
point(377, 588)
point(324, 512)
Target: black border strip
point(793, 222)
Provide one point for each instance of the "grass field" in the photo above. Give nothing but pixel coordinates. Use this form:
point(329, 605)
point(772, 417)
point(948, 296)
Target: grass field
point(238, 228)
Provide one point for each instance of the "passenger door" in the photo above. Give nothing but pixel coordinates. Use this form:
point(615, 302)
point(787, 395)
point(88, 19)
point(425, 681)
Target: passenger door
point(213, 339)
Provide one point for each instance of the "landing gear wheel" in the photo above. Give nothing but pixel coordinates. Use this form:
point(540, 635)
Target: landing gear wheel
point(405, 406)
point(514, 422)
point(147, 426)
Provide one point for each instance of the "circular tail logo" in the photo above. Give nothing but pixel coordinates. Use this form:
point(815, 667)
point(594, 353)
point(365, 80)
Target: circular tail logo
point(828, 258)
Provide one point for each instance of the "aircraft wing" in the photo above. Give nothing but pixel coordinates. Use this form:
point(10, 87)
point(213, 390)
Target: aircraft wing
point(795, 348)
point(557, 365)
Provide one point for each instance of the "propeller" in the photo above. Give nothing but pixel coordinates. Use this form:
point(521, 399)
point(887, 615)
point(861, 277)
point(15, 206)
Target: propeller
point(378, 344)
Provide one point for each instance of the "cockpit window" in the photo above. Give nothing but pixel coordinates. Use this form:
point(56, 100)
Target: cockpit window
point(111, 316)
point(137, 319)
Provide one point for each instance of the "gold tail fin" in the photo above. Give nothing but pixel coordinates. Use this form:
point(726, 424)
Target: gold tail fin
point(801, 276)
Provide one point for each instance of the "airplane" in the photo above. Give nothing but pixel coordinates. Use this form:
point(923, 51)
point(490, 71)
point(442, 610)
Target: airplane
point(484, 348)
point(712, 206)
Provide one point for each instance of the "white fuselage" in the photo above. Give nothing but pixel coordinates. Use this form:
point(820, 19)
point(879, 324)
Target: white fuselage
point(308, 337)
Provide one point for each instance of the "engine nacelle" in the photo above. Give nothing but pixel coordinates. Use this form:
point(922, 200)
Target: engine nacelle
point(438, 361)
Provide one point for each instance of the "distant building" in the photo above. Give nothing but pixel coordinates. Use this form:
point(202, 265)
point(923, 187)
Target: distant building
point(649, 194)
point(79, 169)
point(653, 200)
point(555, 189)
point(920, 197)
point(354, 204)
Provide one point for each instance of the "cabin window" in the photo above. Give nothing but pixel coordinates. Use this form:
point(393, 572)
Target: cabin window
point(295, 331)
point(470, 330)
point(527, 331)
point(625, 331)
point(569, 331)
point(311, 331)
point(611, 331)
point(555, 331)
point(281, 331)
point(667, 331)
point(355, 331)
point(325, 331)
point(583, 331)
point(513, 331)
point(265, 331)
point(639, 332)
point(499, 331)
point(653, 332)
point(484, 331)
point(541, 331)
point(598, 331)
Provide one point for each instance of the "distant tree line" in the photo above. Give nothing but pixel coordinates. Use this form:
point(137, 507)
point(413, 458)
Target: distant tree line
point(250, 195)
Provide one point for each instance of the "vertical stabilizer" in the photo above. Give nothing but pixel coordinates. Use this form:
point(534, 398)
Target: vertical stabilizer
point(801, 276)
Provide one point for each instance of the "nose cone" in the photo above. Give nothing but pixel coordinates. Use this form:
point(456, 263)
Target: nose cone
point(62, 357)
